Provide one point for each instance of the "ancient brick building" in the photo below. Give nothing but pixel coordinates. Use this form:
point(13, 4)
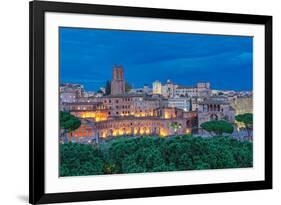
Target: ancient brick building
point(117, 82)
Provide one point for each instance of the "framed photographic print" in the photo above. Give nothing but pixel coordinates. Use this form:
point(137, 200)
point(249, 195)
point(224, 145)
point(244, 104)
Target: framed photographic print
point(140, 102)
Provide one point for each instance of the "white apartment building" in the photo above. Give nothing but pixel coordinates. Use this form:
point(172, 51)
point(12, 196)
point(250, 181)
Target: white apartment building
point(179, 102)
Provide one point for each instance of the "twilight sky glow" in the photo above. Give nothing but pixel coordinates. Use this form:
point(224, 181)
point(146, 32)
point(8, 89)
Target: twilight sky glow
point(88, 55)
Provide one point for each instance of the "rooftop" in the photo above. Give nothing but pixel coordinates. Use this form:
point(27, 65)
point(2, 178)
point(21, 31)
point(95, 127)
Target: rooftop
point(126, 95)
point(185, 87)
point(212, 101)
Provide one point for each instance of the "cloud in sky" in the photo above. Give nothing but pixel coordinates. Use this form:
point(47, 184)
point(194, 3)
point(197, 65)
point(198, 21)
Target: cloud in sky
point(87, 56)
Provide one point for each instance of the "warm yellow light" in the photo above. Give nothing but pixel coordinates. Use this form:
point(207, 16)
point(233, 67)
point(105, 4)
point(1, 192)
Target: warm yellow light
point(121, 132)
point(135, 131)
point(96, 115)
point(187, 131)
point(141, 131)
point(166, 115)
point(88, 115)
point(147, 131)
point(128, 131)
point(163, 132)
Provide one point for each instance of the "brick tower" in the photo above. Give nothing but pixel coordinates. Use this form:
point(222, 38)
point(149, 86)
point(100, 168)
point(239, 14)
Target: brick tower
point(117, 82)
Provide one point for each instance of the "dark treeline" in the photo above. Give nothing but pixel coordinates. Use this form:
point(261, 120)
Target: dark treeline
point(154, 154)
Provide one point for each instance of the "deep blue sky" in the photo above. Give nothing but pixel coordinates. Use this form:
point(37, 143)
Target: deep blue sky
point(88, 55)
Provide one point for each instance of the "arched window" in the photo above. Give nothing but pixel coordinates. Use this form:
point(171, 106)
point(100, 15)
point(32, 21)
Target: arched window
point(213, 117)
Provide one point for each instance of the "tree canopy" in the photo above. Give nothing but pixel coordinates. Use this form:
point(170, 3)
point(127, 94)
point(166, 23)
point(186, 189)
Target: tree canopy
point(68, 122)
point(108, 87)
point(154, 154)
point(175, 126)
point(218, 127)
point(128, 86)
point(246, 119)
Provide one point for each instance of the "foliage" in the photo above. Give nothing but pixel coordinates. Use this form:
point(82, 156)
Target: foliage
point(154, 154)
point(217, 126)
point(69, 122)
point(175, 126)
point(246, 119)
point(78, 159)
point(128, 86)
point(100, 91)
point(108, 87)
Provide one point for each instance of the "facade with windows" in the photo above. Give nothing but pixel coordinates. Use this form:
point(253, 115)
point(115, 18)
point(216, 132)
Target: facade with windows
point(215, 110)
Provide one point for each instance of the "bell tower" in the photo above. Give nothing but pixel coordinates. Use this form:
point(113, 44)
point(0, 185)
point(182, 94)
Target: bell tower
point(117, 82)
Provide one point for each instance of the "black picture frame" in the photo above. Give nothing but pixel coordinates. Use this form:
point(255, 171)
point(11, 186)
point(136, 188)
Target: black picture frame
point(37, 10)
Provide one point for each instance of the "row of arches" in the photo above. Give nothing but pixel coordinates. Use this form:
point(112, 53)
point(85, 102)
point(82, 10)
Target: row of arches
point(212, 107)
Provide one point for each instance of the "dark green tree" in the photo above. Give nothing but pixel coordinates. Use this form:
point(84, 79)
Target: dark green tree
point(218, 127)
point(128, 87)
point(247, 120)
point(100, 92)
point(175, 126)
point(80, 160)
point(68, 123)
point(154, 154)
point(108, 87)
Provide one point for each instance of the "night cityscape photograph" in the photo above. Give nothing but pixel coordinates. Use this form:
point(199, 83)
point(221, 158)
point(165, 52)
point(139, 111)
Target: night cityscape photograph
point(146, 101)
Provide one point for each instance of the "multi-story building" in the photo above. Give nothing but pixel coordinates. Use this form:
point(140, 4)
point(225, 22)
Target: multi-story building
point(195, 101)
point(158, 124)
point(183, 103)
point(70, 92)
point(203, 89)
point(200, 90)
point(68, 97)
point(156, 88)
point(129, 104)
point(211, 109)
point(146, 89)
point(71, 87)
point(168, 89)
point(88, 94)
